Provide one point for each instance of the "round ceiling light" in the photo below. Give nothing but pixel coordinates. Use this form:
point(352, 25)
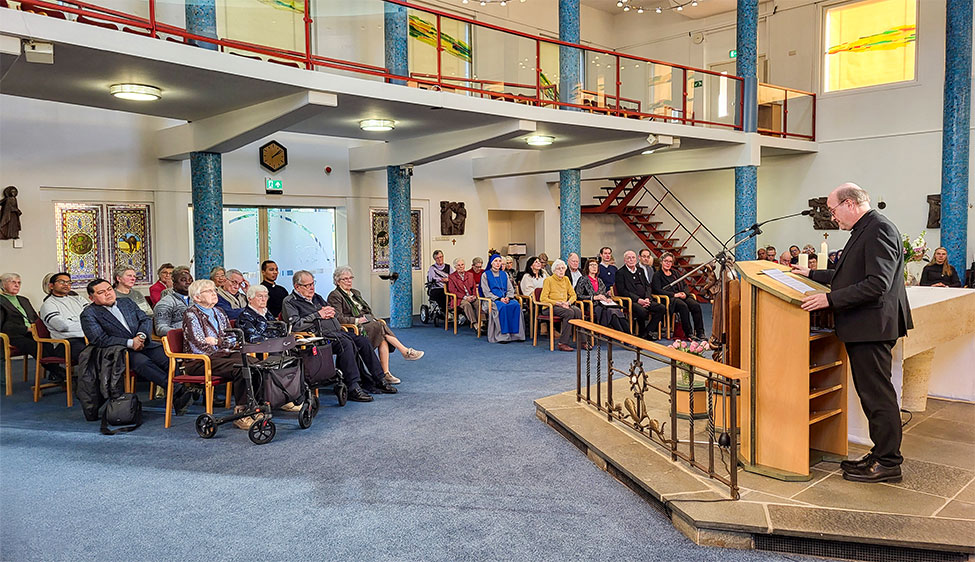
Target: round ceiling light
point(377, 124)
point(135, 92)
point(540, 140)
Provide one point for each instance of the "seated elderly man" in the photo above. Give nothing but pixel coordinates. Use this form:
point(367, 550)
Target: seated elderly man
point(204, 327)
point(311, 313)
point(109, 321)
point(170, 308)
point(229, 298)
point(256, 319)
point(61, 313)
point(16, 314)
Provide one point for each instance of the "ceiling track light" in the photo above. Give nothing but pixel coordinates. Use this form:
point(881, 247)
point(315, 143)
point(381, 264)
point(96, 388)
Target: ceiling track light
point(135, 92)
point(627, 6)
point(374, 125)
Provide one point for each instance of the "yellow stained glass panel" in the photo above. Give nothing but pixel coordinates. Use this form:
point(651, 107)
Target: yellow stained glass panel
point(869, 43)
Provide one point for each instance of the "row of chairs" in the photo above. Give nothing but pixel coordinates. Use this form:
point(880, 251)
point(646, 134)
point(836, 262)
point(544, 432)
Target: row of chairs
point(537, 313)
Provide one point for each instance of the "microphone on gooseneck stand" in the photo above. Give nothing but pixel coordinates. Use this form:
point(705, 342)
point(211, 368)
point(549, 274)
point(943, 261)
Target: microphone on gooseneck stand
point(756, 228)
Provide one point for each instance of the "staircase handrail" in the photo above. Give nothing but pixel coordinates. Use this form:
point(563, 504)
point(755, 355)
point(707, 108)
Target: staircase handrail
point(661, 204)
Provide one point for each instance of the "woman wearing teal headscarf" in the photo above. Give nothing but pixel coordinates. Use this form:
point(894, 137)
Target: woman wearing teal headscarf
point(505, 322)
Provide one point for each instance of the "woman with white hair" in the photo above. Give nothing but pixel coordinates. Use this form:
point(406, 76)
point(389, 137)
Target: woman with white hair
point(557, 291)
point(204, 327)
point(16, 315)
point(255, 319)
point(125, 278)
point(351, 308)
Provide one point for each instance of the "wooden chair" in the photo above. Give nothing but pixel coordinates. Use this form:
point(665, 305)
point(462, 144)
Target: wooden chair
point(174, 340)
point(451, 309)
point(42, 335)
point(627, 304)
point(668, 317)
point(550, 317)
point(9, 354)
point(482, 314)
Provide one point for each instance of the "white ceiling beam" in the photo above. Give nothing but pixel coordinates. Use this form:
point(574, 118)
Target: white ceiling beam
point(421, 150)
point(677, 161)
point(240, 127)
point(582, 157)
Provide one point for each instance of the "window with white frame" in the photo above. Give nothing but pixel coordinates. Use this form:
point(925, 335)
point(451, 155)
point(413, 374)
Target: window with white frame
point(869, 43)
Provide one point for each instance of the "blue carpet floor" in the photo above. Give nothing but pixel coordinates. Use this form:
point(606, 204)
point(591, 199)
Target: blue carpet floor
point(454, 467)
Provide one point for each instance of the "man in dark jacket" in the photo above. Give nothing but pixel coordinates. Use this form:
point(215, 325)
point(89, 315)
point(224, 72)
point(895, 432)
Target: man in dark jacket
point(870, 311)
point(110, 321)
point(633, 284)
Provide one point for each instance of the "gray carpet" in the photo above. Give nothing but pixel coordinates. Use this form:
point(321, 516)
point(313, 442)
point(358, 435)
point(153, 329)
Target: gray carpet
point(454, 467)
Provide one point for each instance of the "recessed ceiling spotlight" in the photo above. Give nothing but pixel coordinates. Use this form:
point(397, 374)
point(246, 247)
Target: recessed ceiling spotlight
point(619, 4)
point(503, 3)
point(377, 124)
point(135, 92)
point(658, 10)
point(680, 8)
point(639, 10)
point(626, 9)
point(694, 3)
point(540, 140)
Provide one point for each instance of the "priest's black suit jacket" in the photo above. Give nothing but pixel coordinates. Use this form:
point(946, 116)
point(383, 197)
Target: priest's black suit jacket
point(867, 291)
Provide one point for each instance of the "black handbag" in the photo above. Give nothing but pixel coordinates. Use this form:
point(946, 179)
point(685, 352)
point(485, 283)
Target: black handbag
point(282, 382)
point(124, 410)
point(318, 365)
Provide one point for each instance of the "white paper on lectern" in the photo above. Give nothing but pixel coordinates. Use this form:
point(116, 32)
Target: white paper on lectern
point(791, 282)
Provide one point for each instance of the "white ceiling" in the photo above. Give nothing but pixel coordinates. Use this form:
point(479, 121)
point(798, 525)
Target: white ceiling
point(704, 8)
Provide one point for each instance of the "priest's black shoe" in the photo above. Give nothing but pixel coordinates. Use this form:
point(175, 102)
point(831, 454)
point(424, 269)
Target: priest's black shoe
point(359, 395)
point(858, 463)
point(386, 388)
point(873, 471)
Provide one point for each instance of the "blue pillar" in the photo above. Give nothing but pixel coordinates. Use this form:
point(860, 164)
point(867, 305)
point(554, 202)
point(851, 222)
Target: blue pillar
point(570, 58)
point(746, 177)
point(570, 215)
point(201, 19)
point(397, 30)
point(205, 169)
point(400, 247)
point(570, 219)
point(955, 135)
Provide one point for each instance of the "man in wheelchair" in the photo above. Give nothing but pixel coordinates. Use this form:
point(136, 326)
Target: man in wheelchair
point(309, 312)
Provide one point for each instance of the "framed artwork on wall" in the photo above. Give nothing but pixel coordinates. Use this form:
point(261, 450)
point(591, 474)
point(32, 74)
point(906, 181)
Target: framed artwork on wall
point(379, 221)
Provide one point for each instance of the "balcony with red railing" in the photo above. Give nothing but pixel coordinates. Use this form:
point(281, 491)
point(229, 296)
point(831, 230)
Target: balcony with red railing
point(451, 53)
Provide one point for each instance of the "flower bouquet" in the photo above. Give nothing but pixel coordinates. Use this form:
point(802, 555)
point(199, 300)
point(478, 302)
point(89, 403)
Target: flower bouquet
point(913, 251)
point(698, 348)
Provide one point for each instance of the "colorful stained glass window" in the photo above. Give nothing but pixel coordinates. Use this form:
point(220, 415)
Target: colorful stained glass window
point(93, 238)
point(379, 218)
point(868, 43)
point(128, 239)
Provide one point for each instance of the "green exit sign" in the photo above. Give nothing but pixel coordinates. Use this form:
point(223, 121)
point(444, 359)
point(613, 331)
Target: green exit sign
point(733, 54)
point(273, 186)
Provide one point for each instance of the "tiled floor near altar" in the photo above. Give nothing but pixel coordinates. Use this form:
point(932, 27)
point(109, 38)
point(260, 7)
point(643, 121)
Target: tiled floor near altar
point(932, 509)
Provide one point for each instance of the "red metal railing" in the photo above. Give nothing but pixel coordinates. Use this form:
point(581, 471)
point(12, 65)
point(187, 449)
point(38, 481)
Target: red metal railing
point(779, 103)
point(543, 93)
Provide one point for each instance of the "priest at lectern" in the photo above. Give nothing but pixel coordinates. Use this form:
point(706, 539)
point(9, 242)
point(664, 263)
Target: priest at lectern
point(870, 312)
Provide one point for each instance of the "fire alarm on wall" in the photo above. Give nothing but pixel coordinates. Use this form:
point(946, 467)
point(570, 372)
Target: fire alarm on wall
point(328, 169)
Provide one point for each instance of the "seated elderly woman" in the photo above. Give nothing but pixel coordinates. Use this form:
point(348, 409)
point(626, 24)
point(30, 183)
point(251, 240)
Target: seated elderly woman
point(463, 284)
point(255, 320)
point(605, 311)
point(16, 316)
point(204, 327)
point(351, 308)
point(125, 278)
point(505, 323)
point(557, 291)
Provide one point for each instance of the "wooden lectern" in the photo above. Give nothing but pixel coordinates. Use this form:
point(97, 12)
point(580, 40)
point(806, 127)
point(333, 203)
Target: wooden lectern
point(794, 402)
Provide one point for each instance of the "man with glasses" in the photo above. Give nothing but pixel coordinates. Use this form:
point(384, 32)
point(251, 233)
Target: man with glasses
point(230, 299)
point(870, 312)
point(309, 312)
point(61, 313)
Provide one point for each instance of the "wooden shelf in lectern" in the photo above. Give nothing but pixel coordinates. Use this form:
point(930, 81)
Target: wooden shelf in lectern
point(794, 402)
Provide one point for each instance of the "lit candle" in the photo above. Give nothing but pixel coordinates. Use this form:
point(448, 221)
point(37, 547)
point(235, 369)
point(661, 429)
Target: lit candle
point(821, 259)
point(803, 260)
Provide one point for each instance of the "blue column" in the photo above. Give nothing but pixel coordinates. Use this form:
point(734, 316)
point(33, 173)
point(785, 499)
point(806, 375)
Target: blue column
point(746, 177)
point(570, 219)
point(570, 58)
point(397, 30)
point(400, 247)
point(205, 169)
point(955, 135)
point(201, 19)
point(570, 215)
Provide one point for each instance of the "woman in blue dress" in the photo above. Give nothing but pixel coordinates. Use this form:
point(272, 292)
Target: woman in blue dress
point(505, 323)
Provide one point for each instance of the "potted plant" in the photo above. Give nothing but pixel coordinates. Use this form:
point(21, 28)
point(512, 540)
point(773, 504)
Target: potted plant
point(914, 252)
point(698, 348)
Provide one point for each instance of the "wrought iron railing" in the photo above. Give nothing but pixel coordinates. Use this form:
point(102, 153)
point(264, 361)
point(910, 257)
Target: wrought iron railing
point(721, 388)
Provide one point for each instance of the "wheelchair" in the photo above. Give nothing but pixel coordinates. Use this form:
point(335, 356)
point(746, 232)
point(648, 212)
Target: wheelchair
point(436, 306)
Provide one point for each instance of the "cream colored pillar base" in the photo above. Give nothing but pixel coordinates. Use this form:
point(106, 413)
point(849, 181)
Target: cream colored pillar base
point(917, 375)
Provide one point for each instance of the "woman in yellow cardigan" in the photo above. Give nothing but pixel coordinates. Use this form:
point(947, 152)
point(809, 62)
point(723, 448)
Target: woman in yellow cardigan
point(557, 290)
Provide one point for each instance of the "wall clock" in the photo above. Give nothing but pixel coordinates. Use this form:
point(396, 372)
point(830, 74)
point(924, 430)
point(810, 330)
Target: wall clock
point(274, 156)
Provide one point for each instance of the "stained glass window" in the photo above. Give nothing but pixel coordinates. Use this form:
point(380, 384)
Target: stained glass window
point(868, 43)
point(93, 238)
